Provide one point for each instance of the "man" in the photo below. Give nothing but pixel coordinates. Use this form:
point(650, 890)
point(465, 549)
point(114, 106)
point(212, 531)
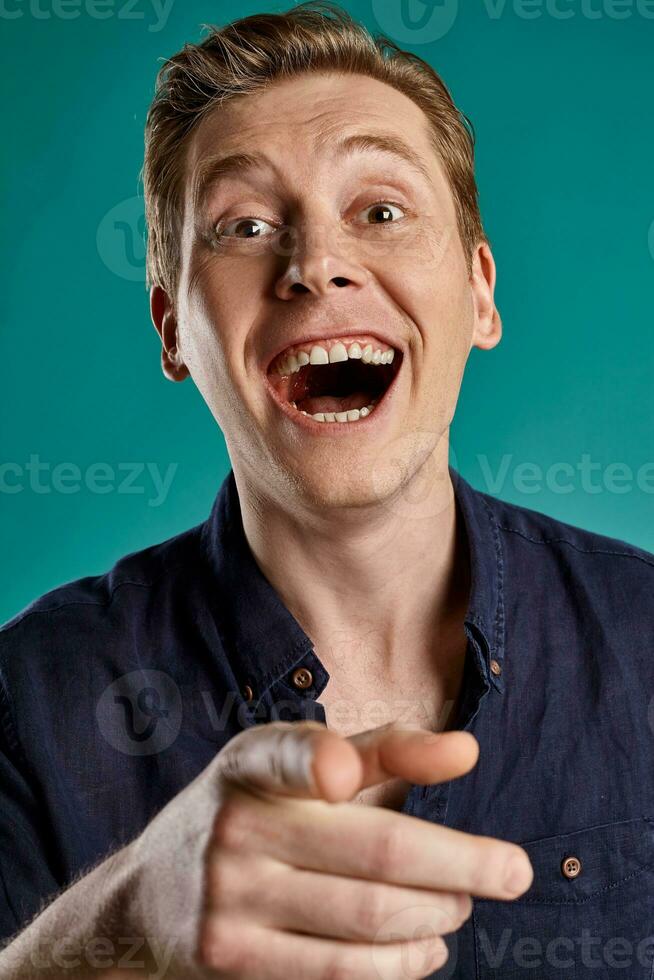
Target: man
point(226, 756)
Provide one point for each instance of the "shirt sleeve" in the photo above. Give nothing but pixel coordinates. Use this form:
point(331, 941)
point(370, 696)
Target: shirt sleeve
point(26, 879)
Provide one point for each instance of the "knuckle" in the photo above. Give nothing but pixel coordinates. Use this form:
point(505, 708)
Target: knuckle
point(440, 956)
point(221, 884)
point(455, 908)
point(239, 882)
point(370, 914)
point(465, 906)
point(231, 827)
point(423, 957)
point(339, 968)
point(218, 946)
point(387, 851)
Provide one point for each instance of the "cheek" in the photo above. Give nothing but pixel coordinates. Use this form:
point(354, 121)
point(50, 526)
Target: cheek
point(205, 350)
point(448, 343)
point(418, 255)
point(432, 288)
point(439, 302)
point(216, 308)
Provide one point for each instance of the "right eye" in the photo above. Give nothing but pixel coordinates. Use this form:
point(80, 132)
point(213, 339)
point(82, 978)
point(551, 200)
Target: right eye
point(240, 224)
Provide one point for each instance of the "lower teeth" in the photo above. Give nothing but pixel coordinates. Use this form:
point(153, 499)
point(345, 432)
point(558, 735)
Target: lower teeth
point(353, 415)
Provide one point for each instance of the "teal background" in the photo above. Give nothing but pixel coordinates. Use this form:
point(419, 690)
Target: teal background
point(562, 110)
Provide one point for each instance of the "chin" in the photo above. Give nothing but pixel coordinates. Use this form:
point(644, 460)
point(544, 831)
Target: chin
point(329, 487)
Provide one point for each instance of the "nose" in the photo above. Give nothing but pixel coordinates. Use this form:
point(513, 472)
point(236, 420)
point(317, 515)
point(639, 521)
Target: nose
point(317, 263)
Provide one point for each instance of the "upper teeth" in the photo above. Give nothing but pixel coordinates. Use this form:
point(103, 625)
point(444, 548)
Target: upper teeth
point(338, 352)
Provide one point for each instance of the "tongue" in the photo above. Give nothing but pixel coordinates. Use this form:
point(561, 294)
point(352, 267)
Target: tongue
point(332, 403)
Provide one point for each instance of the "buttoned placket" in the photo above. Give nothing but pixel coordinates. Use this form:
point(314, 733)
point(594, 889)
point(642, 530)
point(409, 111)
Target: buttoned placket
point(283, 679)
point(293, 697)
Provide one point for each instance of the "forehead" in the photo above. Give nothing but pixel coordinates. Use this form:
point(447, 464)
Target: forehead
point(299, 121)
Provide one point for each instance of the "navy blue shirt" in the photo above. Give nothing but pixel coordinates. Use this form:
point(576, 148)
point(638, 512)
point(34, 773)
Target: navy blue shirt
point(117, 689)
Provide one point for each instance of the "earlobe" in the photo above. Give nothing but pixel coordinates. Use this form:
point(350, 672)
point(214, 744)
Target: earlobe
point(487, 330)
point(165, 323)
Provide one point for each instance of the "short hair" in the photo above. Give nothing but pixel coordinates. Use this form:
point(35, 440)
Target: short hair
point(246, 55)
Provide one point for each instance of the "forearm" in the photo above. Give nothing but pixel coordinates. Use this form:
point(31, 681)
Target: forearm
point(133, 916)
point(93, 929)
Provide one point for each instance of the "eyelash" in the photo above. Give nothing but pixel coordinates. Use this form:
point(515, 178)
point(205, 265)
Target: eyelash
point(373, 204)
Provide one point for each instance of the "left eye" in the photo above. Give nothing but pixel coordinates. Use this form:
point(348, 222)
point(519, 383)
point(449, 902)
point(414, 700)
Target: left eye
point(382, 212)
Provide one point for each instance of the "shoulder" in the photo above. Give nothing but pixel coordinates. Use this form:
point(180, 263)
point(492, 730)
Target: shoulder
point(107, 599)
point(541, 530)
point(538, 547)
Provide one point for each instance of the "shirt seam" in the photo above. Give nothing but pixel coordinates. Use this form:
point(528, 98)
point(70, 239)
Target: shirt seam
point(499, 557)
point(8, 902)
point(586, 898)
point(6, 718)
point(86, 602)
point(585, 551)
point(14, 744)
point(10, 728)
point(474, 932)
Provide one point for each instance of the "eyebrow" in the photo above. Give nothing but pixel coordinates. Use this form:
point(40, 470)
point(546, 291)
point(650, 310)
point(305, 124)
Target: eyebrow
point(214, 168)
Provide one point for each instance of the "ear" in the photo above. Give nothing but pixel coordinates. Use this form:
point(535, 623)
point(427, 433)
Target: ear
point(487, 330)
point(165, 323)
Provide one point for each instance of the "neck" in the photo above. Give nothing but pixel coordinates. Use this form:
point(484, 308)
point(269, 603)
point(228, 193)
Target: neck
point(393, 576)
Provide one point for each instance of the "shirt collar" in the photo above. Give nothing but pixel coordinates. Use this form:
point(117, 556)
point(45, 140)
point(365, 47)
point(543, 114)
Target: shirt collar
point(264, 640)
point(485, 615)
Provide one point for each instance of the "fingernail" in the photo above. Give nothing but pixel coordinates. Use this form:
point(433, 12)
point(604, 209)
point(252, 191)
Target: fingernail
point(518, 876)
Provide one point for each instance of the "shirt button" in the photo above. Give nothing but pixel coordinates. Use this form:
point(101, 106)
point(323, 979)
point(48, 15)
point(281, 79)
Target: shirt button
point(248, 694)
point(495, 668)
point(302, 678)
point(571, 867)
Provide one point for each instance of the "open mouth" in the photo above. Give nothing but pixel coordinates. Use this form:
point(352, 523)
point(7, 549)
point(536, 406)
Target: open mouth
point(336, 380)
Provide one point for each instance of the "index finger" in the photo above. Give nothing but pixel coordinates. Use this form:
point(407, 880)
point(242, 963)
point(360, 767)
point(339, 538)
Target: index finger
point(381, 845)
point(414, 753)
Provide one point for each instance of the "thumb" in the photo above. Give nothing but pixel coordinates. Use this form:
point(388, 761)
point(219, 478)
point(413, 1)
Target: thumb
point(306, 759)
point(300, 759)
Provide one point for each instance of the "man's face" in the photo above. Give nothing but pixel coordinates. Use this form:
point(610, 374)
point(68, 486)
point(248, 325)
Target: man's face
point(314, 246)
